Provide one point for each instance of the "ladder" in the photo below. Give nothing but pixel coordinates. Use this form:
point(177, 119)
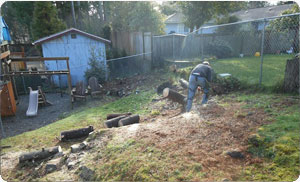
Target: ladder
point(42, 98)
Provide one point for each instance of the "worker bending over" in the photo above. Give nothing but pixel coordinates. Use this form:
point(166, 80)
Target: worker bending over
point(200, 76)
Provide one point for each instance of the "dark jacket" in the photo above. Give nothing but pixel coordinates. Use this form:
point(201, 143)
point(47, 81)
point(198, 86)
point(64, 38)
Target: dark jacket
point(203, 71)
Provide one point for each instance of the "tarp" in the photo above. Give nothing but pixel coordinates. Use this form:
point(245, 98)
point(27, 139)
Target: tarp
point(4, 31)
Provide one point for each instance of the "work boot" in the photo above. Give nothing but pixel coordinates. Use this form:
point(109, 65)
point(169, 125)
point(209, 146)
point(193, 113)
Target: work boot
point(204, 99)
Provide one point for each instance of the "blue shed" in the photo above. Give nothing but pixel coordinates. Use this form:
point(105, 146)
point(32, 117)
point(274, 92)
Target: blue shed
point(78, 46)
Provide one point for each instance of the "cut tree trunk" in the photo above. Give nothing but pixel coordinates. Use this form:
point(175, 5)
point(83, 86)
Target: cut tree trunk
point(110, 116)
point(291, 77)
point(174, 96)
point(129, 120)
point(184, 83)
point(40, 154)
point(73, 134)
point(114, 121)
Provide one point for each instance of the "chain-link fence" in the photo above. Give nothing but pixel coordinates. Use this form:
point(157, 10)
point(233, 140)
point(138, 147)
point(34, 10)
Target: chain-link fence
point(253, 51)
point(129, 65)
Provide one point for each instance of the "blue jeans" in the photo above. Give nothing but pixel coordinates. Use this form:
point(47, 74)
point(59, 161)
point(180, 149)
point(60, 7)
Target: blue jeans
point(194, 82)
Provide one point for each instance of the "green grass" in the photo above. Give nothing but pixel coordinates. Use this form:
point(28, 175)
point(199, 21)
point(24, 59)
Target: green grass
point(46, 136)
point(247, 69)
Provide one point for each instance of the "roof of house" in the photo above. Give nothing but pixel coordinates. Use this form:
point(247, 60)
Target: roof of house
point(249, 14)
point(71, 30)
point(265, 12)
point(175, 18)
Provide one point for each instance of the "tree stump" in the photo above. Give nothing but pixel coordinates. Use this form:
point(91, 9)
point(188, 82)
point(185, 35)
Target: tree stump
point(110, 116)
point(291, 77)
point(114, 122)
point(129, 120)
point(174, 96)
point(40, 154)
point(73, 134)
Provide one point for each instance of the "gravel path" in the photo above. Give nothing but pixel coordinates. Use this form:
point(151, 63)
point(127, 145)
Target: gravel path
point(20, 123)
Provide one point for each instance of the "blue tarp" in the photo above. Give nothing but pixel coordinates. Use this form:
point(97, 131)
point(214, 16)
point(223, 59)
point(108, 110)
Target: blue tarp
point(4, 31)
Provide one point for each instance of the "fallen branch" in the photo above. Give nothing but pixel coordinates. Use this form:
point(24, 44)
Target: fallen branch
point(73, 134)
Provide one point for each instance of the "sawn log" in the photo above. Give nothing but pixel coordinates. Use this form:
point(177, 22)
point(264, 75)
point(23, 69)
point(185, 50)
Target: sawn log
point(174, 96)
point(73, 134)
point(184, 83)
point(113, 122)
point(129, 120)
point(40, 154)
point(110, 116)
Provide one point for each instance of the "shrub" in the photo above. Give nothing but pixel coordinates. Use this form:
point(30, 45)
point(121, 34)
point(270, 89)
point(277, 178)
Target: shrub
point(219, 48)
point(97, 67)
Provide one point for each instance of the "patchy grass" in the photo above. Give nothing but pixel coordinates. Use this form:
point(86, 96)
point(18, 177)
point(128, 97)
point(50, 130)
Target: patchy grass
point(278, 142)
point(46, 136)
point(136, 161)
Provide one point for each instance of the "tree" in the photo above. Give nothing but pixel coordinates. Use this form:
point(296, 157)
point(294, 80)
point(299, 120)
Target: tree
point(45, 20)
point(18, 16)
point(168, 8)
point(288, 25)
point(257, 4)
point(198, 12)
point(231, 29)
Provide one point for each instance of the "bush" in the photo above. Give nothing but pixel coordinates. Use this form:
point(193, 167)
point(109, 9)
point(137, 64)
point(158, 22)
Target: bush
point(221, 85)
point(219, 48)
point(97, 67)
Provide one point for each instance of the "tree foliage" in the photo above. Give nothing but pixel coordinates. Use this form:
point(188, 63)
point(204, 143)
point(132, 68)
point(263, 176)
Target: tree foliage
point(168, 8)
point(199, 12)
point(257, 4)
point(45, 20)
point(231, 29)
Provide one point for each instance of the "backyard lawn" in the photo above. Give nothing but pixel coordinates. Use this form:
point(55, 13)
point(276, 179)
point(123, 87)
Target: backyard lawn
point(247, 69)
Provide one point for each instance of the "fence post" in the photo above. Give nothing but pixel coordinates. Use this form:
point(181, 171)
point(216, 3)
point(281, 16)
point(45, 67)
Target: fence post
point(173, 46)
point(152, 64)
point(262, 53)
point(201, 44)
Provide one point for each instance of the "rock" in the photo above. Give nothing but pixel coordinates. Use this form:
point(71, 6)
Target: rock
point(235, 154)
point(85, 173)
point(78, 147)
point(52, 165)
point(71, 165)
point(225, 179)
point(250, 113)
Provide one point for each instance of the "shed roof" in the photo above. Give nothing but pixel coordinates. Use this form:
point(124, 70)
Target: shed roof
point(71, 30)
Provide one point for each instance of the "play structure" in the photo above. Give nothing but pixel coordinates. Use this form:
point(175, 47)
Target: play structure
point(33, 103)
point(8, 85)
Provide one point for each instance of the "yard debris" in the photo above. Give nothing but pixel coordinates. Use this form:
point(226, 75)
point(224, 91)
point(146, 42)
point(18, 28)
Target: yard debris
point(52, 165)
point(78, 147)
point(86, 173)
point(235, 154)
point(129, 120)
point(74, 134)
point(162, 86)
point(40, 154)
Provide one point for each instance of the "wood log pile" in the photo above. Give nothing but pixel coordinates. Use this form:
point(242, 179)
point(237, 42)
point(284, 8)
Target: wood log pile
point(75, 134)
point(121, 119)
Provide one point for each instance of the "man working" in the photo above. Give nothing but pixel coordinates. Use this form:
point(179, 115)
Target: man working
point(200, 76)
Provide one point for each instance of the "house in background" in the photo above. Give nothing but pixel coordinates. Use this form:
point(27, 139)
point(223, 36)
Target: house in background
point(175, 22)
point(75, 44)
